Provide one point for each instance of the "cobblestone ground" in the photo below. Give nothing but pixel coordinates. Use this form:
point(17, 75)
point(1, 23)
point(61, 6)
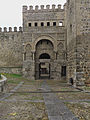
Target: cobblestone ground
point(43, 100)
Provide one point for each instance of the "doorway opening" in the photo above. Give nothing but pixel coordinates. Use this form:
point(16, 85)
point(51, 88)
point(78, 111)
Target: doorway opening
point(44, 66)
point(44, 70)
point(43, 59)
point(63, 71)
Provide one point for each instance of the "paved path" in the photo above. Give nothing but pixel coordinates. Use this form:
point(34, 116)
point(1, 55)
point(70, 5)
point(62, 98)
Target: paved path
point(55, 108)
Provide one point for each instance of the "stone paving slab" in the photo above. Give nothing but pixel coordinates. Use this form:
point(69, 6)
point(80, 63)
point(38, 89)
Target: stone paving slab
point(55, 118)
point(86, 100)
point(56, 109)
point(33, 101)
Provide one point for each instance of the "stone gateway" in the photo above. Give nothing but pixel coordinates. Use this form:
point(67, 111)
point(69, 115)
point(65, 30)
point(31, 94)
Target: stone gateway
point(54, 43)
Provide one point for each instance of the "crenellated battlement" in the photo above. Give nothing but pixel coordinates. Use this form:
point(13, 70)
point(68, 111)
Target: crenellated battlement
point(10, 29)
point(44, 8)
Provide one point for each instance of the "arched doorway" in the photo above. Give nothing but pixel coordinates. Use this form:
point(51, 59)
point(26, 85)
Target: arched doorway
point(44, 66)
point(44, 57)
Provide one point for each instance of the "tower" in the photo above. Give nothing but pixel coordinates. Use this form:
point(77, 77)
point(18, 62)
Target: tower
point(78, 40)
point(44, 33)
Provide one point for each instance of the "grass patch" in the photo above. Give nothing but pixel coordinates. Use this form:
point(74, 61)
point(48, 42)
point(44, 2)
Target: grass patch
point(33, 82)
point(12, 75)
point(85, 101)
point(14, 81)
point(65, 89)
point(36, 98)
point(23, 93)
point(86, 88)
point(73, 96)
point(28, 96)
point(13, 78)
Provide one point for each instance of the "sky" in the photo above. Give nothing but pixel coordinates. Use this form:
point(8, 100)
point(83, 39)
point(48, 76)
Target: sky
point(11, 10)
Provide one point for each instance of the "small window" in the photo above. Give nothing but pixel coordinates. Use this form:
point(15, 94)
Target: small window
point(70, 27)
point(29, 24)
point(42, 24)
point(24, 56)
point(36, 24)
point(48, 23)
point(54, 23)
point(60, 24)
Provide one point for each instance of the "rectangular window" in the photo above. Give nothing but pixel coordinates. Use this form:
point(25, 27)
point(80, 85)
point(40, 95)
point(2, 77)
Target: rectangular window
point(36, 24)
point(24, 56)
point(48, 23)
point(54, 23)
point(63, 71)
point(60, 24)
point(42, 24)
point(70, 27)
point(29, 24)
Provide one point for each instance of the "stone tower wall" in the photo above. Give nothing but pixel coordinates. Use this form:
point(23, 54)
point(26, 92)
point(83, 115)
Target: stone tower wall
point(83, 58)
point(71, 40)
point(78, 32)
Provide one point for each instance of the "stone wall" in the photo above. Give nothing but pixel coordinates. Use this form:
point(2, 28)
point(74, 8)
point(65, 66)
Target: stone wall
point(78, 40)
point(71, 40)
point(83, 16)
point(79, 59)
point(10, 49)
point(83, 58)
point(71, 60)
point(14, 70)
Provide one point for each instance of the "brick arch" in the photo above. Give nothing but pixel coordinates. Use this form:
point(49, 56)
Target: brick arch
point(51, 39)
point(28, 46)
point(28, 43)
point(27, 52)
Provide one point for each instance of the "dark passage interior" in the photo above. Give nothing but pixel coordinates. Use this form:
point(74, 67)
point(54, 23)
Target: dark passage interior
point(44, 67)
